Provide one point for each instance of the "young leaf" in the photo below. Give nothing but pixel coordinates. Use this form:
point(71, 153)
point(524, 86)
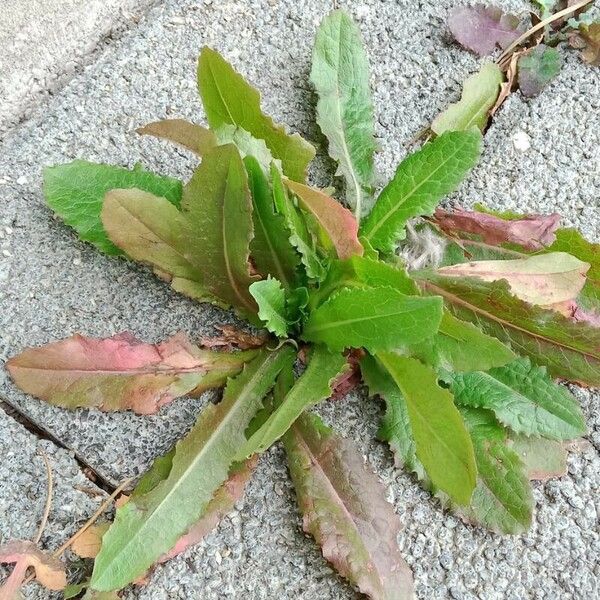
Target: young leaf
point(340, 74)
point(479, 95)
point(337, 221)
point(343, 507)
point(537, 68)
point(229, 99)
point(543, 459)
point(361, 272)
point(460, 346)
point(271, 250)
point(151, 230)
point(480, 28)
point(372, 318)
point(247, 145)
point(420, 182)
point(75, 192)
point(195, 138)
point(218, 208)
point(149, 525)
point(443, 445)
point(524, 398)
point(121, 372)
point(541, 279)
point(270, 297)
point(395, 426)
point(532, 232)
point(569, 349)
point(314, 385)
point(299, 236)
point(502, 500)
point(49, 571)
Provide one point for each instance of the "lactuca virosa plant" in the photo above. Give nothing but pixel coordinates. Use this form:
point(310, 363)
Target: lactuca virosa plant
point(463, 350)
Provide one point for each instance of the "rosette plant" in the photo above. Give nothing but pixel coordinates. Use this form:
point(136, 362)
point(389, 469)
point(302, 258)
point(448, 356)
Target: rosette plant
point(463, 349)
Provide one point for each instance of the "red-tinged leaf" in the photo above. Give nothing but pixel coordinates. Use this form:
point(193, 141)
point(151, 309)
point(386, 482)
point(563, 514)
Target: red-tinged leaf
point(570, 350)
point(195, 138)
point(49, 571)
point(532, 232)
point(121, 372)
point(336, 220)
point(542, 279)
point(220, 506)
point(344, 508)
point(481, 28)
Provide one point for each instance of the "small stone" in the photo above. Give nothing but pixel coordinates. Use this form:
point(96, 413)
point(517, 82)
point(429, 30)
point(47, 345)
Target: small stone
point(521, 141)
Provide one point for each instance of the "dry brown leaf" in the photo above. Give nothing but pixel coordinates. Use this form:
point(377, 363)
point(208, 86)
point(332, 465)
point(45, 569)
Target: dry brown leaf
point(88, 544)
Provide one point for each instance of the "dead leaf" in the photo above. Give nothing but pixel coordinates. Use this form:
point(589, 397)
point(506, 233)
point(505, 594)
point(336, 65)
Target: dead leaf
point(88, 544)
point(232, 338)
point(532, 232)
point(49, 571)
point(588, 40)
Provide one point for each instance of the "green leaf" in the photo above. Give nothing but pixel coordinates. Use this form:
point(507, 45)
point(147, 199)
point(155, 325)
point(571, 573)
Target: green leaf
point(460, 346)
point(344, 508)
point(150, 525)
point(524, 398)
point(195, 138)
point(336, 221)
point(270, 297)
point(218, 208)
point(420, 182)
point(340, 74)
point(569, 349)
point(299, 235)
point(361, 272)
point(502, 500)
point(543, 459)
point(537, 69)
point(443, 445)
point(373, 318)
point(75, 192)
point(314, 385)
point(229, 99)
point(395, 426)
point(121, 372)
point(151, 230)
point(479, 95)
point(271, 251)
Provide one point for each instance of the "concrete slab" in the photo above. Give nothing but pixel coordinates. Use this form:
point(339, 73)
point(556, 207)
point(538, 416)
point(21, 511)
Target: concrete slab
point(23, 490)
point(51, 285)
point(44, 42)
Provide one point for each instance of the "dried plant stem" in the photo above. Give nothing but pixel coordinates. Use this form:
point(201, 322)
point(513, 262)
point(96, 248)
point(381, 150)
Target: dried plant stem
point(541, 25)
point(57, 553)
point(44, 520)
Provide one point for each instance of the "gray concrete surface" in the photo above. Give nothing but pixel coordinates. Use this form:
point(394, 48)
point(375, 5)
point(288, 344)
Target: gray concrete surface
point(44, 42)
point(23, 490)
point(52, 285)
